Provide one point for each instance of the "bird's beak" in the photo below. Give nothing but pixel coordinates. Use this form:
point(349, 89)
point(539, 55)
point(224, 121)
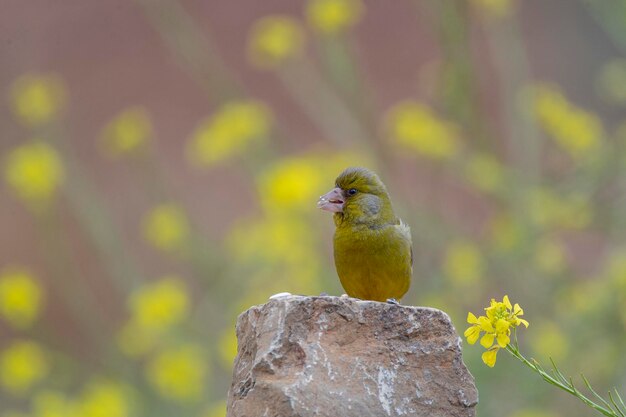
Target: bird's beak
point(332, 201)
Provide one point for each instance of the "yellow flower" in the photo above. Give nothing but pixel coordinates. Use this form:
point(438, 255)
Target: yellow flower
point(273, 40)
point(463, 262)
point(485, 172)
point(333, 16)
point(22, 365)
point(494, 8)
point(102, 398)
point(128, 132)
point(20, 297)
point(292, 183)
point(166, 227)
point(274, 239)
point(280, 251)
point(489, 356)
point(584, 297)
point(37, 98)
point(178, 373)
point(160, 305)
point(35, 172)
point(549, 257)
point(235, 128)
point(576, 131)
point(616, 270)
point(500, 318)
point(49, 403)
point(415, 127)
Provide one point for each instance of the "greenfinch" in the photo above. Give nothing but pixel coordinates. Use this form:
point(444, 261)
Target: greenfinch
point(372, 246)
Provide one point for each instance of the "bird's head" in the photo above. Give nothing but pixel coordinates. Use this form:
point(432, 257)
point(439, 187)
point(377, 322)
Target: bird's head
point(359, 197)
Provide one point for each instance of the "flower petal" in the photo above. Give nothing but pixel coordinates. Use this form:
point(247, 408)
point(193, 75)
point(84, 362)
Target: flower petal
point(502, 326)
point(507, 303)
point(489, 357)
point(522, 321)
point(517, 310)
point(487, 340)
point(472, 334)
point(471, 318)
point(485, 324)
point(503, 339)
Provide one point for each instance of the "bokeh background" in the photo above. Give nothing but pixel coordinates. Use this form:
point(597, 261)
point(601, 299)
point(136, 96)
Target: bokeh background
point(161, 160)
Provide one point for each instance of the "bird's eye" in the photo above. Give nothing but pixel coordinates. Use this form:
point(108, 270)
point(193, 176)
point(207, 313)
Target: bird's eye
point(352, 191)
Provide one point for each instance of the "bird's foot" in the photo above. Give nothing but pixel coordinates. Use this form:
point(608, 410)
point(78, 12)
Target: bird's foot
point(393, 301)
point(344, 295)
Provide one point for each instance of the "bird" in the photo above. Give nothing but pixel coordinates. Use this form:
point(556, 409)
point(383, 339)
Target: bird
point(372, 247)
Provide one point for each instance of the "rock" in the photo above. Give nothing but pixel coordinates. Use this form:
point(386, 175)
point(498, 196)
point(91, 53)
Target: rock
point(340, 357)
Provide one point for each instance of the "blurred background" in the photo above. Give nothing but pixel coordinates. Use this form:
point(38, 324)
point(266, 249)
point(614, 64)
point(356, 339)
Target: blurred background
point(161, 161)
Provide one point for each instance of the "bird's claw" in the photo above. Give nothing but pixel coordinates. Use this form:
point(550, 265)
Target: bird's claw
point(393, 301)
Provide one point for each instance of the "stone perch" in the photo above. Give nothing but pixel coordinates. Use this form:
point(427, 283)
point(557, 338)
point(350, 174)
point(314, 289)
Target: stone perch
point(343, 357)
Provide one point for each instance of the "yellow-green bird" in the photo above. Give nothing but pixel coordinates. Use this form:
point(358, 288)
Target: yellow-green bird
point(372, 246)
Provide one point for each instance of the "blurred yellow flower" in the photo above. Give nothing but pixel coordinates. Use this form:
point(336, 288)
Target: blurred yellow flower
point(228, 348)
point(583, 297)
point(281, 250)
point(34, 171)
point(485, 172)
point(292, 183)
point(166, 227)
point(548, 209)
point(333, 16)
point(616, 270)
point(273, 40)
point(37, 98)
point(549, 341)
point(178, 373)
point(20, 297)
point(505, 232)
point(22, 365)
point(159, 305)
point(415, 127)
point(271, 239)
point(215, 410)
point(463, 263)
point(49, 403)
point(494, 8)
point(576, 131)
point(612, 80)
point(549, 257)
point(128, 132)
point(103, 398)
point(235, 128)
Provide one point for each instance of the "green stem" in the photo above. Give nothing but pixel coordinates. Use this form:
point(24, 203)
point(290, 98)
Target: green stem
point(559, 380)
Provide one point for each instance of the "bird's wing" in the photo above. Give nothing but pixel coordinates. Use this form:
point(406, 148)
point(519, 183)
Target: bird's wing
point(406, 231)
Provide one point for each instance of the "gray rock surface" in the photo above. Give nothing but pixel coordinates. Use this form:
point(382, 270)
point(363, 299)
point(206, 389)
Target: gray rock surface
point(338, 356)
